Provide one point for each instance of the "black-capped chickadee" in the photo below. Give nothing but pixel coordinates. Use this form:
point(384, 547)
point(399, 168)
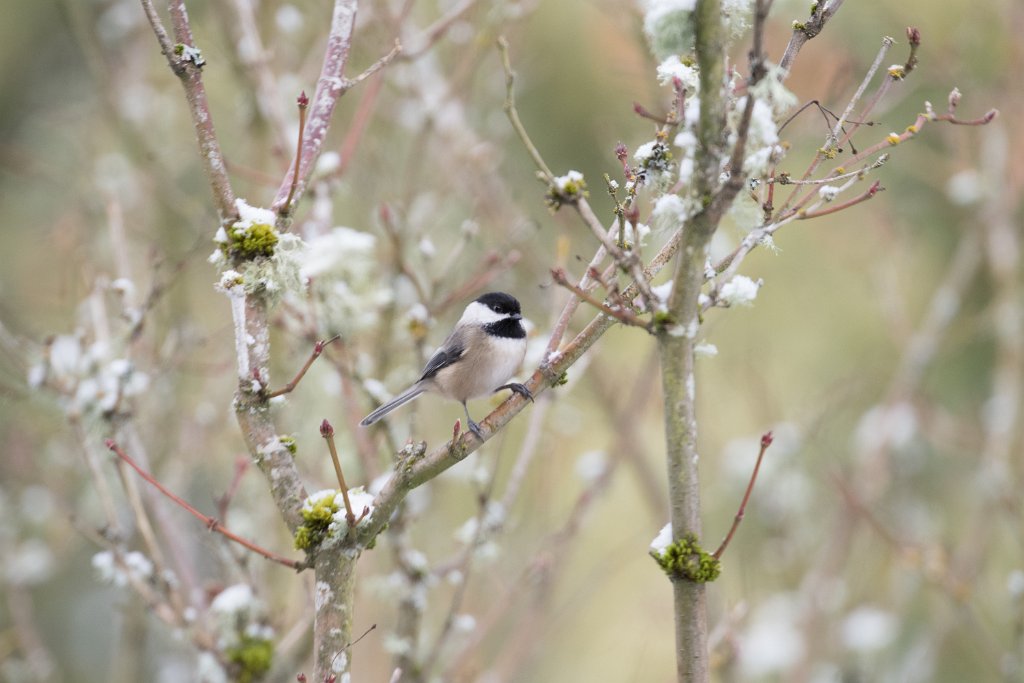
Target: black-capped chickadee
point(486, 347)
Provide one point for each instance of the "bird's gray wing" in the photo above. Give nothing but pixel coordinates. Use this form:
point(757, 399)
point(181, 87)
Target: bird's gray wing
point(450, 351)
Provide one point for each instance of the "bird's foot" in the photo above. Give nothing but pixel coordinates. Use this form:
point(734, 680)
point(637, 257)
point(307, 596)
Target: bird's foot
point(475, 428)
point(517, 388)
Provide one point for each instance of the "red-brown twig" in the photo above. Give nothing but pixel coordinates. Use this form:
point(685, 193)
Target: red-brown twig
point(766, 441)
point(875, 188)
point(891, 140)
point(187, 66)
point(303, 103)
point(327, 431)
point(360, 122)
point(318, 349)
point(621, 314)
point(241, 465)
point(210, 523)
point(331, 85)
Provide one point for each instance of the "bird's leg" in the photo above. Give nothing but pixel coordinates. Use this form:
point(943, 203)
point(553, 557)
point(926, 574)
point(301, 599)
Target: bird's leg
point(517, 388)
point(473, 426)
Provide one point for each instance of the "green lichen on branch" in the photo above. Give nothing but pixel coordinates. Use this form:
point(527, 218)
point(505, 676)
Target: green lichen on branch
point(290, 444)
point(250, 242)
point(317, 516)
point(686, 560)
point(566, 189)
point(250, 660)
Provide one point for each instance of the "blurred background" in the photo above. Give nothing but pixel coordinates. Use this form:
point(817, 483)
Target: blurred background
point(884, 539)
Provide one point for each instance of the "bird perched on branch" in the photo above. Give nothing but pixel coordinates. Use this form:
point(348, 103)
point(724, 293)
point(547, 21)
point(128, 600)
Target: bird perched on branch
point(482, 352)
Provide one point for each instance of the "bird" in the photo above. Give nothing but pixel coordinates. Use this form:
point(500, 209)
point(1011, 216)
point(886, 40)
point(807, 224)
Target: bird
point(483, 351)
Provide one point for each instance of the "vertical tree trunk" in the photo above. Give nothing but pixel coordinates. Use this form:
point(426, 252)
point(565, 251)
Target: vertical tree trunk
point(678, 384)
point(677, 341)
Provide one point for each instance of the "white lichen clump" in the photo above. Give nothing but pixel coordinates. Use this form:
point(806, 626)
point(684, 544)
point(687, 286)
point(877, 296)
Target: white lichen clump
point(671, 211)
point(341, 269)
point(688, 74)
point(238, 613)
point(828, 192)
point(119, 571)
point(89, 378)
point(739, 291)
point(668, 26)
point(568, 183)
point(662, 540)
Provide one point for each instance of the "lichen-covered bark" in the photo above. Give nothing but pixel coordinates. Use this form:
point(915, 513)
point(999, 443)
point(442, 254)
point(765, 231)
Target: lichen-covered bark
point(333, 600)
point(253, 412)
point(677, 342)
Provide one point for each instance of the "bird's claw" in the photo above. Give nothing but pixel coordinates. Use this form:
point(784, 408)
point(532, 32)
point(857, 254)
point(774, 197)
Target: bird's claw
point(517, 388)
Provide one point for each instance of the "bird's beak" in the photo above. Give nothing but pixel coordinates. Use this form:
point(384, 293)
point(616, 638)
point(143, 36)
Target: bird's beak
point(517, 316)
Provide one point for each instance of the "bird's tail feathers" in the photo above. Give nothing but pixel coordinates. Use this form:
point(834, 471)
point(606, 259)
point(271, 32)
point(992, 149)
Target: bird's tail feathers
point(400, 400)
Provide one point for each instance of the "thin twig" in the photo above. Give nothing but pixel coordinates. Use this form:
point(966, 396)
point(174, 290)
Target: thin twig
point(892, 140)
point(513, 114)
point(210, 523)
point(223, 501)
point(622, 315)
point(822, 12)
point(628, 261)
point(303, 104)
point(318, 349)
point(378, 65)
point(784, 179)
point(331, 85)
point(327, 431)
point(188, 69)
point(875, 188)
point(766, 441)
point(832, 140)
point(433, 33)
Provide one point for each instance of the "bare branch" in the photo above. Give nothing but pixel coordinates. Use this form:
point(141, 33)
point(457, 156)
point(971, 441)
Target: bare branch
point(210, 523)
point(318, 349)
point(513, 114)
point(186, 62)
point(766, 441)
point(821, 12)
point(329, 88)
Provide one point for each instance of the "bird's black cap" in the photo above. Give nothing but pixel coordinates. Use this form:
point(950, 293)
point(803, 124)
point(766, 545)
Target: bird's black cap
point(500, 302)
